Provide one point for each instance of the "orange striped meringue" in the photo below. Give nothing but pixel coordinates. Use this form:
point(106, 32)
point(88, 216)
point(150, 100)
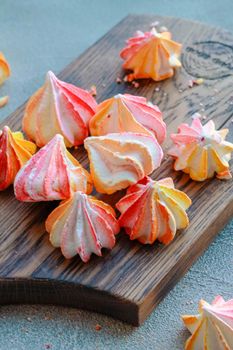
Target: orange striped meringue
point(51, 174)
point(153, 210)
point(128, 113)
point(201, 151)
point(151, 55)
point(82, 225)
point(58, 108)
point(4, 68)
point(120, 160)
point(14, 153)
point(212, 328)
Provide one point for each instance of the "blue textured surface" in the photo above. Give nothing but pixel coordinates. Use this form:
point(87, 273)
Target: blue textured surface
point(40, 35)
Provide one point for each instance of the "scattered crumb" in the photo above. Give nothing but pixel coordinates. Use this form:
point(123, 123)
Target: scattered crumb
point(204, 117)
point(135, 84)
point(103, 85)
point(93, 90)
point(201, 104)
point(193, 82)
point(29, 319)
point(98, 327)
point(157, 89)
point(154, 24)
point(125, 78)
point(118, 80)
point(231, 102)
point(180, 90)
point(216, 91)
point(48, 346)
point(165, 94)
point(203, 110)
point(232, 120)
point(196, 115)
point(163, 29)
point(3, 101)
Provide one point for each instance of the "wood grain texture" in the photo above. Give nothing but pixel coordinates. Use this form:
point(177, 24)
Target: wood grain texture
point(129, 281)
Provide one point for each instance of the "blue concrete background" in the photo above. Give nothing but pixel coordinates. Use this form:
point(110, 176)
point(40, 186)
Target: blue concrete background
point(40, 35)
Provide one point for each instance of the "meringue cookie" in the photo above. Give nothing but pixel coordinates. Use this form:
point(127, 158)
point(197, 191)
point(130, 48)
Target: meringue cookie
point(14, 153)
point(128, 113)
point(51, 174)
point(120, 160)
point(153, 210)
point(151, 55)
point(82, 225)
point(58, 108)
point(212, 328)
point(201, 151)
point(4, 68)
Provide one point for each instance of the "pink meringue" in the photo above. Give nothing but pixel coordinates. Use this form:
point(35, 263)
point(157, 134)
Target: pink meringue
point(201, 151)
point(51, 174)
point(58, 108)
point(153, 210)
point(120, 160)
point(128, 113)
point(212, 328)
point(82, 225)
point(151, 55)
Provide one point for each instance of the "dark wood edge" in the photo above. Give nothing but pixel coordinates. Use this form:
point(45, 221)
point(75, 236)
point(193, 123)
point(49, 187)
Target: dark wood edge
point(51, 292)
point(183, 264)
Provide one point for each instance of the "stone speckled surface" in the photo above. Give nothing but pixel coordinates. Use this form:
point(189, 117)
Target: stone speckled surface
point(39, 35)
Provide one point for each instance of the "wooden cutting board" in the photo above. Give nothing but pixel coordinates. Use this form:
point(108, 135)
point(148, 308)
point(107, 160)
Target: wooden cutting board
point(129, 281)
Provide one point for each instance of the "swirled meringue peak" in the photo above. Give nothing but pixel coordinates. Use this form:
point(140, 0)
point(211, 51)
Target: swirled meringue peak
point(201, 151)
point(121, 159)
point(151, 55)
point(212, 328)
point(128, 113)
point(51, 174)
point(14, 153)
point(58, 108)
point(4, 68)
point(153, 210)
point(82, 225)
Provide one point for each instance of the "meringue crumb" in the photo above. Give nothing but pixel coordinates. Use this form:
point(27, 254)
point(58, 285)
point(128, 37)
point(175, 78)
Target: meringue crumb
point(98, 327)
point(196, 115)
point(125, 78)
point(3, 101)
point(93, 90)
point(118, 80)
point(135, 84)
point(154, 24)
point(204, 117)
point(180, 90)
point(163, 29)
point(157, 89)
point(193, 82)
point(29, 319)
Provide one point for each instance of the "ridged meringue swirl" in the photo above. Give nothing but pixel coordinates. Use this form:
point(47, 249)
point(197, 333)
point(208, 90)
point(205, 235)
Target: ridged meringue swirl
point(58, 108)
point(201, 151)
point(51, 174)
point(153, 210)
point(14, 153)
point(121, 159)
point(212, 328)
point(82, 225)
point(128, 113)
point(151, 55)
point(4, 68)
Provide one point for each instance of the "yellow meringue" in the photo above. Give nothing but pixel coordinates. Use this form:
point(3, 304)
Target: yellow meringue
point(121, 159)
point(82, 225)
point(14, 153)
point(153, 210)
point(128, 113)
point(212, 328)
point(151, 55)
point(201, 151)
point(58, 108)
